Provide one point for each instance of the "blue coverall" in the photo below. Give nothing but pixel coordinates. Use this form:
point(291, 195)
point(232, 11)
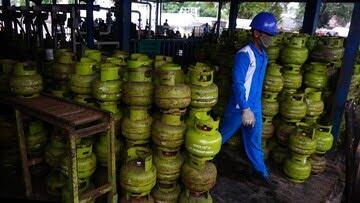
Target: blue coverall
point(247, 81)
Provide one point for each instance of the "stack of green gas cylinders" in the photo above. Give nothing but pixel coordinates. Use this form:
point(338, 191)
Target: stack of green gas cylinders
point(302, 144)
point(202, 139)
point(204, 93)
point(138, 95)
point(55, 150)
point(106, 90)
point(301, 121)
point(137, 174)
point(58, 181)
point(9, 152)
point(162, 60)
point(293, 56)
point(6, 68)
point(95, 56)
point(298, 91)
point(86, 166)
point(273, 85)
point(81, 81)
point(325, 57)
point(324, 141)
point(36, 139)
point(292, 106)
point(25, 81)
point(172, 97)
point(308, 145)
point(119, 58)
point(328, 52)
point(57, 75)
point(198, 174)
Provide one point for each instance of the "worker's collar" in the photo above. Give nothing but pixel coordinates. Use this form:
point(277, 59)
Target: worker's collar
point(253, 47)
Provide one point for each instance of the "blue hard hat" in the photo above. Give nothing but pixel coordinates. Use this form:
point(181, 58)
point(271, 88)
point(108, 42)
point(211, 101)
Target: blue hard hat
point(265, 22)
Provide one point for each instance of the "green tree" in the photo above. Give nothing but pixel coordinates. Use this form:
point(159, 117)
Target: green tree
point(209, 9)
point(301, 11)
point(249, 9)
point(225, 11)
point(342, 10)
point(172, 7)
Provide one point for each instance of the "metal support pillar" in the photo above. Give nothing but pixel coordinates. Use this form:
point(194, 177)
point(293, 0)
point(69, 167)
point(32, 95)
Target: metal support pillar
point(54, 26)
point(23, 153)
point(27, 24)
point(90, 24)
point(351, 48)
point(234, 8)
point(8, 24)
point(73, 168)
point(117, 24)
point(73, 34)
point(161, 10)
point(40, 32)
point(218, 19)
point(112, 196)
point(311, 16)
point(39, 27)
point(124, 22)
point(157, 15)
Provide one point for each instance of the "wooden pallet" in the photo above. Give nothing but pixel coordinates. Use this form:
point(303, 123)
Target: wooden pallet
point(78, 121)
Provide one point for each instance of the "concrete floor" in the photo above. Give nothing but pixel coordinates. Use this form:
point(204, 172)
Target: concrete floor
point(235, 183)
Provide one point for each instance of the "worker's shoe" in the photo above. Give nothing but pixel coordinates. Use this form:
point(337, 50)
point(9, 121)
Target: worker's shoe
point(267, 182)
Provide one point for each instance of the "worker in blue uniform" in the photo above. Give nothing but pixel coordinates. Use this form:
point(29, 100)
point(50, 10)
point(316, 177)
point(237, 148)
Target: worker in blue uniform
point(244, 106)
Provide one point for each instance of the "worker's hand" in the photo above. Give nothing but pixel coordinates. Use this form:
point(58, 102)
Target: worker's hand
point(248, 118)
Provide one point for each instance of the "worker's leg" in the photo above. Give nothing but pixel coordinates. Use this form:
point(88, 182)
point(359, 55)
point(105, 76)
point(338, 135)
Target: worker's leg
point(252, 145)
point(230, 124)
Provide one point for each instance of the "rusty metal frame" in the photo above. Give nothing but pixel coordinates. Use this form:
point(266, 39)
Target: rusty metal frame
point(23, 153)
point(105, 124)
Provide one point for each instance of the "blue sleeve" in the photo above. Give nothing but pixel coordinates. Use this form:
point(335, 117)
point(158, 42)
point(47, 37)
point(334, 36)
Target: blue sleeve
point(241, 66)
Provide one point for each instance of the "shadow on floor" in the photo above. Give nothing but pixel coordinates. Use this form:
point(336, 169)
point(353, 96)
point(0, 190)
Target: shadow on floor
point(235, 182)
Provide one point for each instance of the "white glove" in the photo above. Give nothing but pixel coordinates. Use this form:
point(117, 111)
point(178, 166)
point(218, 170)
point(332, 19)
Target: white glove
point(248, 118)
